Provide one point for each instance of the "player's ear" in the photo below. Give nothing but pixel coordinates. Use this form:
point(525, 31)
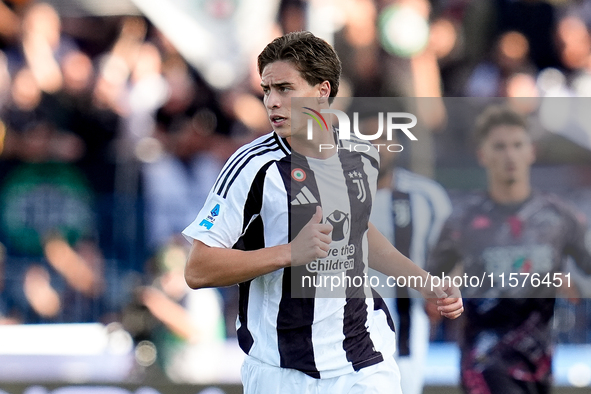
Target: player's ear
point(323, 91)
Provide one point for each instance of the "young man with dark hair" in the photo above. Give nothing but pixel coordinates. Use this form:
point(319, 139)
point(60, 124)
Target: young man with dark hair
point(519, 238)
point(497, 115)
point(268, 218)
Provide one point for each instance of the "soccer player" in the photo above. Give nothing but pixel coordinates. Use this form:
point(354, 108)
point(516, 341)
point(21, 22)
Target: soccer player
point(515, 233)
point(409, 209)
point(268, 218)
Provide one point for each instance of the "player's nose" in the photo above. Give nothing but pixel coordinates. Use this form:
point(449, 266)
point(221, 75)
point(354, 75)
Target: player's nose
point(273, 100)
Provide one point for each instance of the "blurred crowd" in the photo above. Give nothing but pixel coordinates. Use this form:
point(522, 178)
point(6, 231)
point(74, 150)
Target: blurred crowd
point(110, 140)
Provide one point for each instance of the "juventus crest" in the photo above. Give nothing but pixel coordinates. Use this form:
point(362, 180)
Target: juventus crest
point(357, 178)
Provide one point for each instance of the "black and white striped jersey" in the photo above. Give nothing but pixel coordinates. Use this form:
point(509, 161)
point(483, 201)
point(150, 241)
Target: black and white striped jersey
point(264, 195)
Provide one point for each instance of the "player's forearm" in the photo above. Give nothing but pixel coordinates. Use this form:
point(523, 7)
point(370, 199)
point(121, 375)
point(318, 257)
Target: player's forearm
point(388, 260)
point(217, 267)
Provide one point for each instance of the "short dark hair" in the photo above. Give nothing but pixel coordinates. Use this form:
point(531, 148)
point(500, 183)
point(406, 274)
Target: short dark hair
point(313, 57)
point(497, 115)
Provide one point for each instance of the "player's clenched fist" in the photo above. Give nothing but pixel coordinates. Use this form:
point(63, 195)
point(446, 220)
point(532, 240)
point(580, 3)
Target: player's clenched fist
point(443, 301)
point(312, 242)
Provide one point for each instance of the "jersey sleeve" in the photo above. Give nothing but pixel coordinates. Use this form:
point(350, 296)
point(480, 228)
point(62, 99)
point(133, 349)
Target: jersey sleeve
point(221, 221)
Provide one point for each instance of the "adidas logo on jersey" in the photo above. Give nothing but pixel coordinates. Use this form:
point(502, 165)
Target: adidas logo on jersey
point(304, 197)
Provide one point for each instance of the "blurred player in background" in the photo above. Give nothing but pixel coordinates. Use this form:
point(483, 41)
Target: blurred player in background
point(511, 230)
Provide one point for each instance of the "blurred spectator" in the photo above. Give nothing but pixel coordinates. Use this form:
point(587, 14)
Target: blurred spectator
point(248, 117)
point(23, 107)
point(177, 182)
point(292, 15)
point(448, 44)
point(47, 222)
point(509, 56)
point(462, 33)
point(44, 192)
point(44, 45)
point(179, 165)
point(574, 43)
point(147, 91)
point(359, 50)
point(536, 21)
point(190, 340)
point(72, 108)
